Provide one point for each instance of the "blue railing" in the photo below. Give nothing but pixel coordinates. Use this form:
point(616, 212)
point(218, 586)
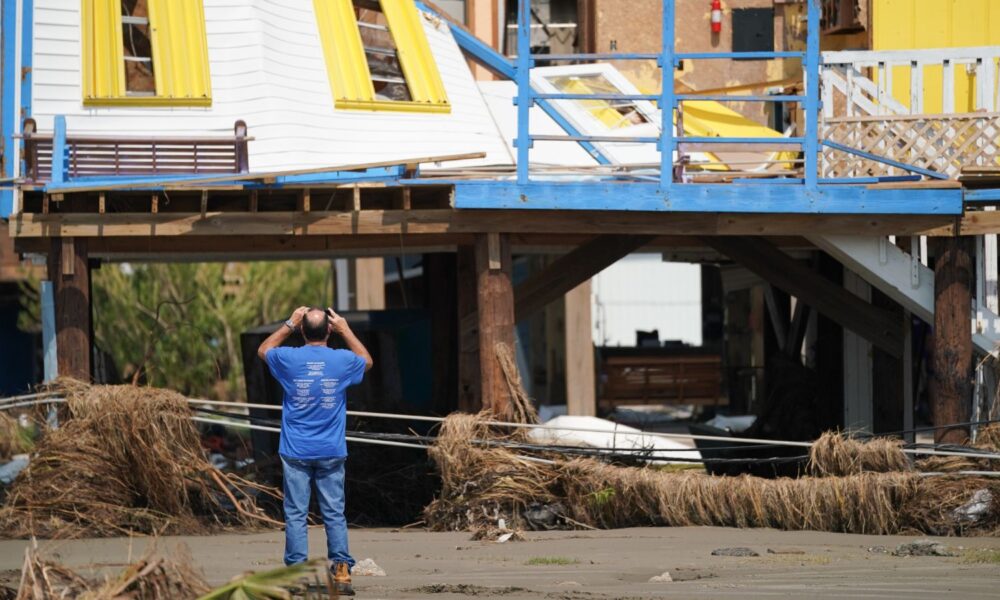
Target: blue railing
point(668, 60)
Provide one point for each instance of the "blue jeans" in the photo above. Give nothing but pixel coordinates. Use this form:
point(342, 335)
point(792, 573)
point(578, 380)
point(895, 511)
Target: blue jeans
point(328, 475)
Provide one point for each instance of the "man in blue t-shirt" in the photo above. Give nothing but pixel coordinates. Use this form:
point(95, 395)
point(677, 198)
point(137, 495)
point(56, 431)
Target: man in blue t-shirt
point(315, 379)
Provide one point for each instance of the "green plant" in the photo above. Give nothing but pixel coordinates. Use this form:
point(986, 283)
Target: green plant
point(536, 561)
point(276, 584)
point(602, 497)
point(178, 325)
point(981, 555)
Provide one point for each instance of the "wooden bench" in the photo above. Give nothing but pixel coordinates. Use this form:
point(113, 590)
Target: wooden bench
point(101, 156)
point(657, 379)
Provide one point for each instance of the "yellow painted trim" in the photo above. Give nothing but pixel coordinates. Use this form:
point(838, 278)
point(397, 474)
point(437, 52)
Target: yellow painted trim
point(180, 54)
point(392, 106)
point(149, 101)
point(415, 56)
point(347, 67)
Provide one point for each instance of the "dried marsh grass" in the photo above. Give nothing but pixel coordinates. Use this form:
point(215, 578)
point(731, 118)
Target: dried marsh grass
point(153, 577)
point(481, 484)
point(125, 460)
point(834, 455)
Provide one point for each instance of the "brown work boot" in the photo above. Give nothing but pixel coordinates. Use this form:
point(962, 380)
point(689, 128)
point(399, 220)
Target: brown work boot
point(342, 579)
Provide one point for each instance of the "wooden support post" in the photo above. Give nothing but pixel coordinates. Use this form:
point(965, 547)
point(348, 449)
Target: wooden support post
point(581, 397)
point(70, 276)
point(495, 297)
point(469, 399)
point(369, 283)
point(951, 381)
point(255, 201)
point(154, 204)
point(304, 201)
point(101, 203)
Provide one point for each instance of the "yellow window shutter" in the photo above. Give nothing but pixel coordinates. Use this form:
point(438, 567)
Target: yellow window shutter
point(103, 67)
point(180, 50)
point(415, 57)
point(346, 64)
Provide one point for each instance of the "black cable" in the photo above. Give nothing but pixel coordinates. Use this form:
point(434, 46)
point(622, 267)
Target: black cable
point(612, 453)
point(929, 428)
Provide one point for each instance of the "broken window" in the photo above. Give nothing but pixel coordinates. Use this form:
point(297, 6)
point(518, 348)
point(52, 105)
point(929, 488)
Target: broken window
point(137, 50)
point(378, 56)
point(384, 67)
point(614, 114)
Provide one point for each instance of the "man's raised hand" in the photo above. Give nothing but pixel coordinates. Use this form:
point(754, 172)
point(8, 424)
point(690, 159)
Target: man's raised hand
point(298, 315)
point(337, 322)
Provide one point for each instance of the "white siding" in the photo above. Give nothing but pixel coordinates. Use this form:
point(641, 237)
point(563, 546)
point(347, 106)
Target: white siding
point(643, 292)
point(267, 68)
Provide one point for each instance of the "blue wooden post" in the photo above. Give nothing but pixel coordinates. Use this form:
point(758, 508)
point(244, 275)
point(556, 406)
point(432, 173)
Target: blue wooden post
point(59, 150)
point(667, 96)
point(524, 99)
point(811, 146)
point(49, 332)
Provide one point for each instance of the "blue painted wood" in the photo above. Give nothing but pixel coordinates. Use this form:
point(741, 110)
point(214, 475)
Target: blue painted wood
point(595, 138)
point(741, 140)
point(155, 183)
point(765, 98)
point(988, 195)
point(740, 55)
point(596, 96)
point(667, 103)
point(48, 310)
point(59, 151)
point(524, 91)
point(595, 56)
point(810, 149)
point(8, 111)
point(884, 160)
point(640, 196)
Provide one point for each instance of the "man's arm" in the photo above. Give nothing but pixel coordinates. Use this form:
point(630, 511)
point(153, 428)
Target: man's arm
point(284, 330)
point(338, 325)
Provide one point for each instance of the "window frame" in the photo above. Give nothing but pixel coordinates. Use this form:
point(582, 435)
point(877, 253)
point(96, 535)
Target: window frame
point(347, 66)
point(177, 36)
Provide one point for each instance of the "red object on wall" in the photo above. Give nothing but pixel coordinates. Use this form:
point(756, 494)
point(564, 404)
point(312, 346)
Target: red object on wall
point(716, 16)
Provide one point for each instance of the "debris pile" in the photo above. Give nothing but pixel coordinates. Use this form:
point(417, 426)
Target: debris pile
point(485, 482)
point(125, 459)
point(153, 577)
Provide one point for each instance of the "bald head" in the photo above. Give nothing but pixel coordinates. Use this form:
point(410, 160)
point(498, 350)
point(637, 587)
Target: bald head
point(315, 326)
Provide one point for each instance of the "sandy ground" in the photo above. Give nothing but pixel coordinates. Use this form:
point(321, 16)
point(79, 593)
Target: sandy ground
point(589, 565)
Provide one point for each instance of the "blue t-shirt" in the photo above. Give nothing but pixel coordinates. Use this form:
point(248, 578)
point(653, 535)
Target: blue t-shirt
point(315, 380)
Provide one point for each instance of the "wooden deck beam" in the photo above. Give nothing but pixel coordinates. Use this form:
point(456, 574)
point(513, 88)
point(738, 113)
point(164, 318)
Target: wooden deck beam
point(874, 324)
point(431, 221)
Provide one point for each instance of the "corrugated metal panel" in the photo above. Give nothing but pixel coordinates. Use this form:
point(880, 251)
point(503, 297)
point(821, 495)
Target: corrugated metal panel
point(103, 67)
point(267, 68)
point(180, 52)
point(345, 54)
point(414, 52)
point(909, 24)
